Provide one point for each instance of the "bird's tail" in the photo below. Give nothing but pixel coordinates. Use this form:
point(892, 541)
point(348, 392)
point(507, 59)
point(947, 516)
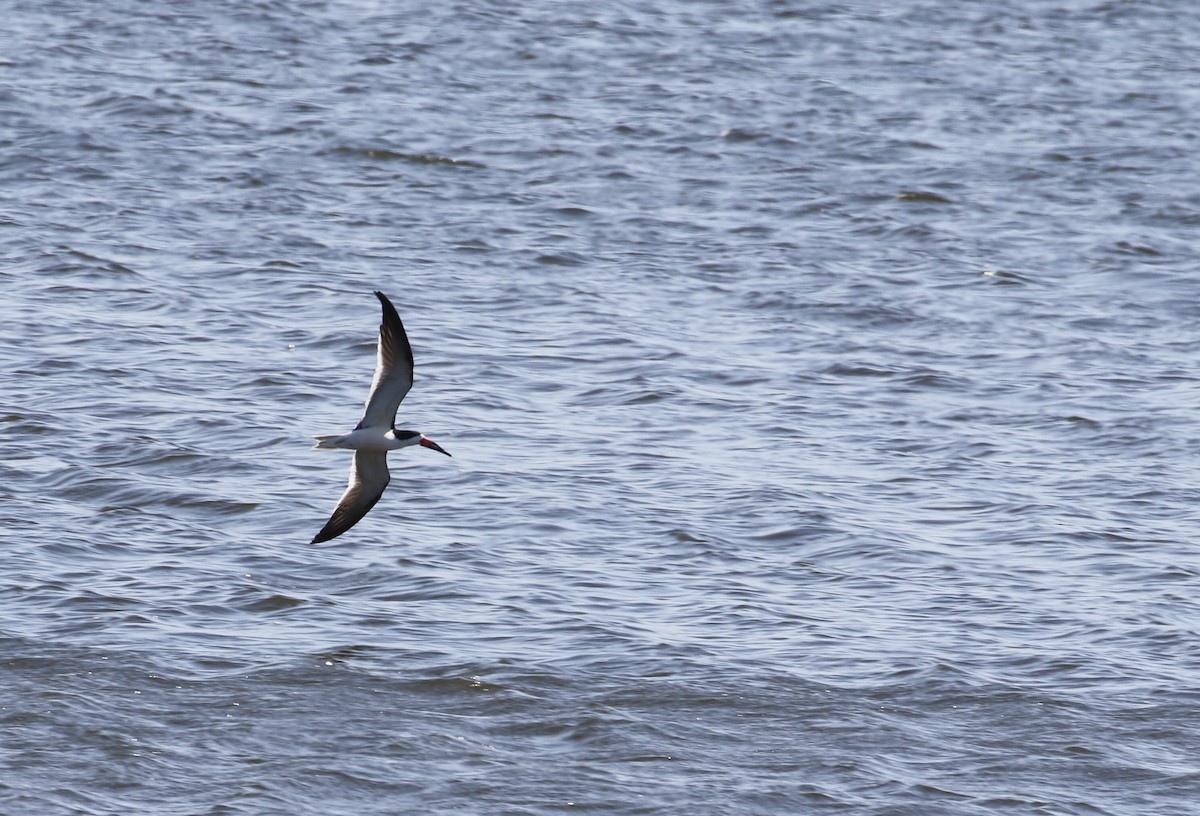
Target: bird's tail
point(328, 440)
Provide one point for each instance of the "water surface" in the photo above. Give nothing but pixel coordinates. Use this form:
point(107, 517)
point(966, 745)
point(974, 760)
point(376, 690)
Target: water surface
point(819, 379)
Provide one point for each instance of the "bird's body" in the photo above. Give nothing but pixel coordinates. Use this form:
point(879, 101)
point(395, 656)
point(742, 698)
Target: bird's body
point(376, 433)
point(371, 439)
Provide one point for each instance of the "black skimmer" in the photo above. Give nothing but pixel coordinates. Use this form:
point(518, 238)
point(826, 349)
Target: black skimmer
point(376, 434)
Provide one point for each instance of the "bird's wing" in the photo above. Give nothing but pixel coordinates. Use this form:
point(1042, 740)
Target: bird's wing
point(393, 370)
point(368, 477)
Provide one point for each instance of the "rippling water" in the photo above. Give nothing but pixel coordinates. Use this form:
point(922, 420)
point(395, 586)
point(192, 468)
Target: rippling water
point(820, 380)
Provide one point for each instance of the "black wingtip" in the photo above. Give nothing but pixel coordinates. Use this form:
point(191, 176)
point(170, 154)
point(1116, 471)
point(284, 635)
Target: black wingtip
point(389, 311)
point(325, 534)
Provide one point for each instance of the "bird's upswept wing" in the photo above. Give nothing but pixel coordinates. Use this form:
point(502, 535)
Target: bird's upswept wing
point(393, 370)
point(368, 478)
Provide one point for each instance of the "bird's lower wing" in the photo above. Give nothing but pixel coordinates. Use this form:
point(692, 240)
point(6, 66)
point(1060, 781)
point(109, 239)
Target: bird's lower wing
point(368, 478)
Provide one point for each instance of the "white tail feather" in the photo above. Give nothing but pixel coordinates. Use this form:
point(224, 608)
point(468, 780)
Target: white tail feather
point(329, 441)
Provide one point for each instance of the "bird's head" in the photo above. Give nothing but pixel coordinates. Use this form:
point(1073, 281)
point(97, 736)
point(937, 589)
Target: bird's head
point(406, 438)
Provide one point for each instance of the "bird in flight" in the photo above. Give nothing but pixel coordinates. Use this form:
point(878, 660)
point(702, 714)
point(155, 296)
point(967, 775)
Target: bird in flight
point(376, 434)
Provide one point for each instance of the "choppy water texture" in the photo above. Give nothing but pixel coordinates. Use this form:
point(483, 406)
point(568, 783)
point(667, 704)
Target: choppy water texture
point(820, 379)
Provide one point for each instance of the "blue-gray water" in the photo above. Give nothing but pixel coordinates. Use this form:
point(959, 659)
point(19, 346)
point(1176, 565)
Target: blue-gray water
point(821, 380)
